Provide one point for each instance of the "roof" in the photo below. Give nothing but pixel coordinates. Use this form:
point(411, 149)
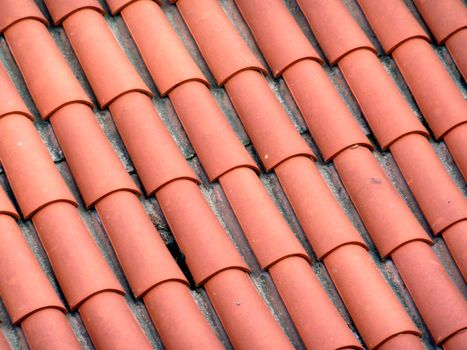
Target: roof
point(233, 174)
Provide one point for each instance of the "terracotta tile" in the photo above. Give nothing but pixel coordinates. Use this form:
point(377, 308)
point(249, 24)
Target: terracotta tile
point(86, 29)
point(438, 98)
point(215, 143)
point(222, 63)
point(341, 35)
point(143, 132)
point(281, 53)
point(25, 290)
point(393, 25)
point(61, 9)
point(456, 47)
point(36, 67)
point(149, 128)
point(117, 5)
point(444, 308)
point(175, 314)
point(274, 141)
point(96, 169)
point(49, 328)
point(119, 331)
point(444, 204)
point(183, 204)
point(15, 11)
point(319, 323)
point(328, 119)
point(166, 69)
point(31, 173)
point(325, 224)
point(380, 100)
point(443, 18)
point(21, 275)
point(240, 309)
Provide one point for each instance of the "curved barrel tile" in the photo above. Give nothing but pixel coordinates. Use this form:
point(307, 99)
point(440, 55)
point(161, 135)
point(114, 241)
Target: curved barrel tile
point(265, 120)
point(402, 341)
point(14, 11)
point(392, 23)
point(177, 318)
point(440, 303)
point(334, 28)
point(61, 9)
point(380, 100)
point(330, 122)
point(245, 317)
point(194, 225)
point(101, 57)
point(372, 192)
point(165, 56)
point(6, 207)
point(456, 240)
point(319, 323)
point(43, 67)
point(49, 328)
point(456, 140)
point(10, 101)
point(282, 52)
point(444, 18)
point(96, 167)
point(322, 219)
point(267, 232)
point(211, 135)
point(24, 288)
point(376, 311)
point(458, 50)
point(438, 97)
point(440, 200)
point(32, 174)
point(75, 257)
point(154, 153)
point(121, 213)
point(118, 5)
point(110, 323)
point(223, 49)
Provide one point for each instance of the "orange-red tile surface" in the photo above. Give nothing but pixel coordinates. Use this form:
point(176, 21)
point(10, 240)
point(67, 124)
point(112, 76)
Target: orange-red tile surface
point(246, 174)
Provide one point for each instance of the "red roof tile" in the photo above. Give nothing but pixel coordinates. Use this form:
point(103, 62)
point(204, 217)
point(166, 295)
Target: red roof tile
point(167, 69)
point(436, 94)
point(199, 17)
point(61, 9)
point(278, 222)
point(180, 201)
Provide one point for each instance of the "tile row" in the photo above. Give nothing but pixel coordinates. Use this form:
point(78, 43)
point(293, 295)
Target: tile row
point(393, 228)
point(268, 234)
